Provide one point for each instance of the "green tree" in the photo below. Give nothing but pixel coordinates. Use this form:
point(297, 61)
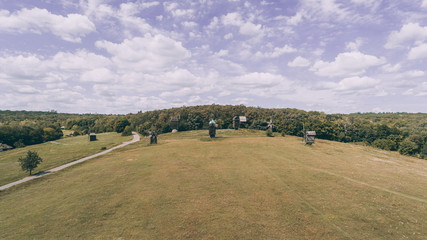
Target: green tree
point(385, 144)
point(127, 131)
point(29, 162)
point(424, 151)
point(121, 124)
point(408, 148)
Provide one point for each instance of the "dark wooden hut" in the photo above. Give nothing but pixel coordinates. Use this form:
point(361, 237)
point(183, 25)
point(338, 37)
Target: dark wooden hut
point(92, 137)
point(309, 137)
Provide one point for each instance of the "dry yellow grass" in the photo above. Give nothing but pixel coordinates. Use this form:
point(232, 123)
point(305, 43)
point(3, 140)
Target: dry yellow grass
point(241, 187)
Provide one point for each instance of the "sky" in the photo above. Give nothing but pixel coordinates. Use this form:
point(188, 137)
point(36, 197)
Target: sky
point(105, 56)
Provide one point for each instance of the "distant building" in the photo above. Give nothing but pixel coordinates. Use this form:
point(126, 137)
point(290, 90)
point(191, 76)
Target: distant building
point(4, 147)
point(174, 124)
point(242, 121)
point(309, 137)
point(92, 137)
point(236, 122)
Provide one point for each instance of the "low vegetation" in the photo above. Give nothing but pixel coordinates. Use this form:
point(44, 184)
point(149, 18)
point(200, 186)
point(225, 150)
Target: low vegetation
point(241, 185)
point(55, 153)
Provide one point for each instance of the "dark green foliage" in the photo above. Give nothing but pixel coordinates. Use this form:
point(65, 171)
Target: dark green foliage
point(385, 144)
point(382, 130)
point(408, 148)
point(30, 162)
point(424, 151)
point(127, 131)
point(120, 125)
point(269, 133)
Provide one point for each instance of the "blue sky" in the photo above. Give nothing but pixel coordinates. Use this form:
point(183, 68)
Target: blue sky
point(104, 56)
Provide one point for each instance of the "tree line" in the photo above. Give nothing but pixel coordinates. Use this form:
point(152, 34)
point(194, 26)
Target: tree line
point(403, 132)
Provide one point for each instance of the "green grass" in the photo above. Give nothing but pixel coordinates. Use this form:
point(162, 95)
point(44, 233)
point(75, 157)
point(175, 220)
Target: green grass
point(239, 187)
point(55, 154)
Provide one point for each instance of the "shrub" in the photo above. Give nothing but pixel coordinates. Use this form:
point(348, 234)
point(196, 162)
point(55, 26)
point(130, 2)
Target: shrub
point(424, 151)
point(408, 148)
point(385, 144)
point(127, 131)
point(104, 148)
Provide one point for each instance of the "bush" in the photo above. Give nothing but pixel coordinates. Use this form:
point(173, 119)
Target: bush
point(424, 151)
point(283, 134)
point(104, 148)
point(127, 131)
point(408, 148)
point(385, 144)
point(269, 133)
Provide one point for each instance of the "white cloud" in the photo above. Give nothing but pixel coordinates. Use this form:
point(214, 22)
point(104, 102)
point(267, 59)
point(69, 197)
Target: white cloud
point(354, 46)
point(299, 62)
point(99, 75)
point(79, 61)
point(424, 4)
point(228, 36)
point(351, 84)
point(420, 91)
point(189, 24)
point(148, 53)
point(257, 80)
point(408, 34)
point(245, 27)
point(221, 53)
point(295, 20)
point(418, 52)
point(348, 63)
point(277, 52)
point(70, 28)
point(392, 68)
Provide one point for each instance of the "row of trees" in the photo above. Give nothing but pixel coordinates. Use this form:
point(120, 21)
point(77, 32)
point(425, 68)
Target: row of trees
point(403, 132)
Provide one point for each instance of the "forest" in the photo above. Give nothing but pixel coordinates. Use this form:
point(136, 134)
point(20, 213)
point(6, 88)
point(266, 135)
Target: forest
point(403, 132)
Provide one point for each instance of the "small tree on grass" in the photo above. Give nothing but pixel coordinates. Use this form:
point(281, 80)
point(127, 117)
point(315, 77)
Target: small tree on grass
point(29, 162)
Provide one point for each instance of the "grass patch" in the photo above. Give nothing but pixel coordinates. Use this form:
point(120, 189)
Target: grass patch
point(249, 187)
point(55, 153)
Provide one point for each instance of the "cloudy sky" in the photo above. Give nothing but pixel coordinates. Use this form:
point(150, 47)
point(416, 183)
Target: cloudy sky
point(105, 56)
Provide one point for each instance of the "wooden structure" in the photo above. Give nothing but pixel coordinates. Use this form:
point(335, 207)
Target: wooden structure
point(236, 122)
point(212, 128)
point(309, 137)
point(242, 121)
point(174, 124)
point(153, 137)
point(92, 137)
point(4, 147)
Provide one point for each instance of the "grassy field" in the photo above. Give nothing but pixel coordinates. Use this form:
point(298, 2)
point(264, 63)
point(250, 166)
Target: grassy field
point(239, 186)
point(55, 153)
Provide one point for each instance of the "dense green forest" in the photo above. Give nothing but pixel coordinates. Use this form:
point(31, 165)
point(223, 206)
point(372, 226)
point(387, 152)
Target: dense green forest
point(403, 132)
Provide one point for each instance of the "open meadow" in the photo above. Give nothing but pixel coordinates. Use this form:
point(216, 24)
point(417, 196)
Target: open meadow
point(55, 153)
point(240, 185)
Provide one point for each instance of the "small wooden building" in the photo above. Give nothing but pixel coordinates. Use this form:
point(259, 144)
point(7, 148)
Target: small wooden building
point(174, 124)
point(309, 137)
point(92, 137)
point(242, 121)
point(236, 122)
point(4, 147)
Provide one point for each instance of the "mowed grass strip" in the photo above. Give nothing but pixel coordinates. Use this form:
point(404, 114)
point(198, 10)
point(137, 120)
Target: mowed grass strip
point(55, 153)
point(234, 188)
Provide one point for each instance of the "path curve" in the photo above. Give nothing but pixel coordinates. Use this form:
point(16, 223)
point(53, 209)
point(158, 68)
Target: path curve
point(136, 138)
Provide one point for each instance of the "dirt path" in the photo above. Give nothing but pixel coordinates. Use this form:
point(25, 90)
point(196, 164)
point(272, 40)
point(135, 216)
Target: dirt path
point(135, 139)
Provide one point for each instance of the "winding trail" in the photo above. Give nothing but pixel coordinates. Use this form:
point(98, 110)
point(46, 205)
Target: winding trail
point(136, 138)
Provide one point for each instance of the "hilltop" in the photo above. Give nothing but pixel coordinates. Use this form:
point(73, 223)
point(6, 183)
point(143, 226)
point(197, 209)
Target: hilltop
point(240, 185)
